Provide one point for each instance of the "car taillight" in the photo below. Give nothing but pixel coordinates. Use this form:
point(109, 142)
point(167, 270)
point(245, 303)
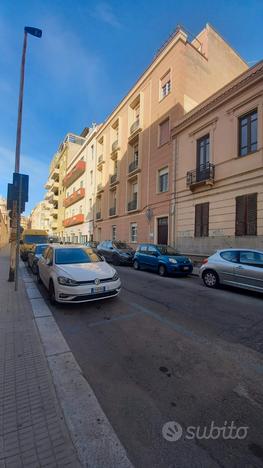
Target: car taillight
point(205, 261)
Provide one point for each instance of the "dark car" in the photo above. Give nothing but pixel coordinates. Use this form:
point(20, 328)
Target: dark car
point(34, 255)
point(116, 252)
point(162, 259)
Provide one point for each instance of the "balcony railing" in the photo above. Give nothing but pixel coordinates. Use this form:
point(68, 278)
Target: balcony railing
point(114, 146)
point(100, 187)
point(74, 174)
point(98, 215)
point(135, 126)
point(74, 197)
point(112, 211)
point(77, 219)
point(113, 178)
point(100, 159)
point(205, 173)
point(133, 165)
point(132, 205)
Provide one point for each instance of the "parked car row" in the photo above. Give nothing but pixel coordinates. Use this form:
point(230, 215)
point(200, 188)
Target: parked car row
point(76, 273)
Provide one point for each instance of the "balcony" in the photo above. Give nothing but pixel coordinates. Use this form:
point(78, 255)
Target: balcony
point(54, 212)
point(74, 174)
point(112, 211)
point(133, 166)
point(54, 187)
point(135, 128)
point(100, 188)
point(113, 179)
point(98, 215)
point(132, 205)
point(100, 160)
point(74, 197)
point(77, 219)
point(55, 173)
point(115, 146)
point(48, 184)
point(203, 175)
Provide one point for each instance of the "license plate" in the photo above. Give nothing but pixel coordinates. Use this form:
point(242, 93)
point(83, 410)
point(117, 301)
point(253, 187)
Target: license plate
point(185, 268)
point(97, 290)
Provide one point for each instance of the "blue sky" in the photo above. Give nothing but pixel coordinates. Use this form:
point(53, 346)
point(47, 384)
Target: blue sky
point(90, 54)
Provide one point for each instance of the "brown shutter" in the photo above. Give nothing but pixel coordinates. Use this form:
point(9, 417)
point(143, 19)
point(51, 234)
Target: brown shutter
point(164, 132)
point(205, 219)
point(198, 220)
point(241, 215)
point(252, 214)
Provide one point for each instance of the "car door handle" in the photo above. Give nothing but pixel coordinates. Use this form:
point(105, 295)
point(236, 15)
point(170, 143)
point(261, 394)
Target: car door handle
point(239, 267)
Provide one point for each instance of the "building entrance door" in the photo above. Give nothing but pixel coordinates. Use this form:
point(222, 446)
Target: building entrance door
point(162, 230)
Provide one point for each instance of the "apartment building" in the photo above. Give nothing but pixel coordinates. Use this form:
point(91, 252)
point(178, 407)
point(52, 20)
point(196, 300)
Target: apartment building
point(135, 166)
point(55, 194)
point(79, 183)
point(218, 182)
point(40, 216)
point(4, 223)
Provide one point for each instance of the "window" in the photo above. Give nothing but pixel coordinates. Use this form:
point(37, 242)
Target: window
point(151, 250)
point(143, 248)
point(91, 177)
point(80, 209)
point(81, 184)
point(92, 152)
point(137, 112)
point(254, 259)
point(230, 255)
point(165, 85)
point(74, 189)
point(202, 220)
point(133, 232)
point(90, 203)
point(246, 215)
point(247, 126)
point(202, 152)
point(114, 232)
point(164, 132)
point(163, 180)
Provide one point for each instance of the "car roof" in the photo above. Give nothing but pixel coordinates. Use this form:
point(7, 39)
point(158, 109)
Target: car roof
point(67, 246)
point(240, 250)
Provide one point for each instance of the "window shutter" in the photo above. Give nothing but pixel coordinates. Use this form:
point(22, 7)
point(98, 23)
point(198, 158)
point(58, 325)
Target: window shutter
point(198, 215)
point(241, 215)
point(164, 132)
point(252, 214)
point(205, 219)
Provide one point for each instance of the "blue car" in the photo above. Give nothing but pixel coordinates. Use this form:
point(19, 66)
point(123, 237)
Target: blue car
point(162, 259)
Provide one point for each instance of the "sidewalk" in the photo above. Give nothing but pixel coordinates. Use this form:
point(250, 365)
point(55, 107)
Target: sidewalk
point(33, 432)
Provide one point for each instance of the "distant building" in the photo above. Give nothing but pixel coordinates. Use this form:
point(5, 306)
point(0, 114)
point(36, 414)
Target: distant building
point(40, 217)
point(4, 223)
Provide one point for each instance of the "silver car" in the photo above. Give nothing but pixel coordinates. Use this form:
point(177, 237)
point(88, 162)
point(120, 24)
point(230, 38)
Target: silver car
point(242, 268)
point(34, 256)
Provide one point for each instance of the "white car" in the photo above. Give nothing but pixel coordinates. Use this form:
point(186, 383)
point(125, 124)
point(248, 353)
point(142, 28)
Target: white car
point(77, 274)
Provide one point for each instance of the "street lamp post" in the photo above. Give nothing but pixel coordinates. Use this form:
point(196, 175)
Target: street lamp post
point(16, 212)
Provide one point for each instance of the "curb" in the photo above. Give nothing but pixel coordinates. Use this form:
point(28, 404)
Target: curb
point(94, 438)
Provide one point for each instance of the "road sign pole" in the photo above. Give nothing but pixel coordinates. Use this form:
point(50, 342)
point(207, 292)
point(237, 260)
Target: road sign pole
point(14, 253)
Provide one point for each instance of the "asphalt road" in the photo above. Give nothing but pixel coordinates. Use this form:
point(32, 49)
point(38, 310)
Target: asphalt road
point(171, 350)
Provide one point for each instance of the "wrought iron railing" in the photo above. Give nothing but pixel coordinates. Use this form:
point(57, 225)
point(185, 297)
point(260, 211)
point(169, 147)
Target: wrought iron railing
point(132, 205)
point(114, 145)
point(98, 215)
point(133, 165)
point(203, 173)
point(112, 211)
point(135, 126)
point(113, 178)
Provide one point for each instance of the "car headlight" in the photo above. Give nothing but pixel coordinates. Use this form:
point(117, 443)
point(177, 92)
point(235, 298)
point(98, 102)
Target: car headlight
point(67, 281)
point(172, 260)
point(115, 277)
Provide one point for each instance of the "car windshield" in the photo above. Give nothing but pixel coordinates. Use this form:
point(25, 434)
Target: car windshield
point(167, 250)
point(40, 249)
point(121, 245)
point(70, 256)
point(33, 239)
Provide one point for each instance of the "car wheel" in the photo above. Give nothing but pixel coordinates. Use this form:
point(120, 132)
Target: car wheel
point(162, 270)
point(210, 279)
point(136, 265)
point(115, 260)
point(51, 293)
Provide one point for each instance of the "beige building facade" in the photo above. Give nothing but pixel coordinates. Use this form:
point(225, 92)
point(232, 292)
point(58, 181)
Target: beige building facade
point(40, 217)
point(135, 154)
point(4, 223)
point(218, 182)
point(79, 185)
